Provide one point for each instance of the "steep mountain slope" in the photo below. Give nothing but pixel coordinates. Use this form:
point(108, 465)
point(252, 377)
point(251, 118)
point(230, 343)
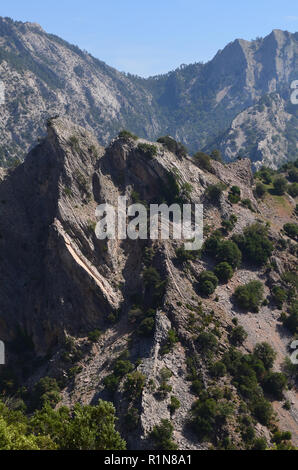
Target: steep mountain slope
point(45, 76)
point(160, 338)
point(200, 100)
point(266, 132)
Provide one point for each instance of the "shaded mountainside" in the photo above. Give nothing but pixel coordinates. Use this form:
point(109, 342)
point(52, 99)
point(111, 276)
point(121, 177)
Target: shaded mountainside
point(143, 323)
point(45, 76)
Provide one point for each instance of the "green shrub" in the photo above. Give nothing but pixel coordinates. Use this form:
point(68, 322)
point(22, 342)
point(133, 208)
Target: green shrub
point(207, 283)
point(293, 175)
point(211, 245)
point(260, 190)
point(184, 255)
point(291, 230)
point(146, 320)
point(265, 174)
point(163, 390)
point(287, 405)
point(197, 386)
point(259, 444)
point(247, 203)
point(218, 369)
point(155, 286)
point(209, 416)
point(207, 342)
point(229, 224)
point(73, 371)
point(173, 146)
point(293, 189)
point(113, 317)
point(151, 277)
point(203, 161)
point(280, 185)
point(290, 321)
point(249, 296)
point(172, 339)
point(148, 150)
point(174, 405)
point(248, 372)
point(162, 435)
point(290, 370)
point(111, 383)
point(291, 279)
point(248, 435)
point(254, 244)
point(204, 418)
point(146, 327)
point(279, 296)
point(126, 135)
point(238, 335)
point(83, 428)
point(45, 391)
point(279, 437)
point(121, 367)
point(171, 191)
point(275, 383)
point(265, 353)
point(229, 252)
point(223, 271)
point(134, 384)
point(67, 191)
point(234, 194)
point(263, 411)
point(74, 143)
point(213, 193)
point(94, 335)
point(135, 314)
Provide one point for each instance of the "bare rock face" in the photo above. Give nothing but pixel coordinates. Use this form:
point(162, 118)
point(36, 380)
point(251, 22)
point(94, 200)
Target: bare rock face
point(59, 282)
point(267, 132)
point(47, 209)
point(45, 76)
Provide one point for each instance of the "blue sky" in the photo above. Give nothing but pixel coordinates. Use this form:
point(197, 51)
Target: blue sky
point(148, 37)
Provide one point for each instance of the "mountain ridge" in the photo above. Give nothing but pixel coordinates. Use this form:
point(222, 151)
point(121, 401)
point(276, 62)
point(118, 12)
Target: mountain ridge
point(44, 76)
point(101, 317)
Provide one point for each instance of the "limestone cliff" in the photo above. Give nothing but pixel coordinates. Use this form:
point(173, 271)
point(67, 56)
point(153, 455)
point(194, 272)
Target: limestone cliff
point(59, 282)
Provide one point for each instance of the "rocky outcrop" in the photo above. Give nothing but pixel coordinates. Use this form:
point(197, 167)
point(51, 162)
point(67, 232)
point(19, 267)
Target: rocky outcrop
point(266, 132)
point(59, 282)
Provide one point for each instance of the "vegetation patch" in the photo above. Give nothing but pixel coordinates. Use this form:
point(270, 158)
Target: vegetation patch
point(173, 146)
point(249, 296)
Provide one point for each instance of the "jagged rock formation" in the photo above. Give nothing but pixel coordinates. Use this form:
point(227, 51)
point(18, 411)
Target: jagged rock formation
point(267, 132)
point(59, 282)
point(45, 76)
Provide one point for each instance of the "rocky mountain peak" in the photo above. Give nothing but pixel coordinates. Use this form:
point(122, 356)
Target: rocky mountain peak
point(45, 76)
point(81, 305)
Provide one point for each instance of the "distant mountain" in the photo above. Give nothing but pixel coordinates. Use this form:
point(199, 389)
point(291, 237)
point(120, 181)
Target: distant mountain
point(131, 321)
point(46, 76)
point(267, 132)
